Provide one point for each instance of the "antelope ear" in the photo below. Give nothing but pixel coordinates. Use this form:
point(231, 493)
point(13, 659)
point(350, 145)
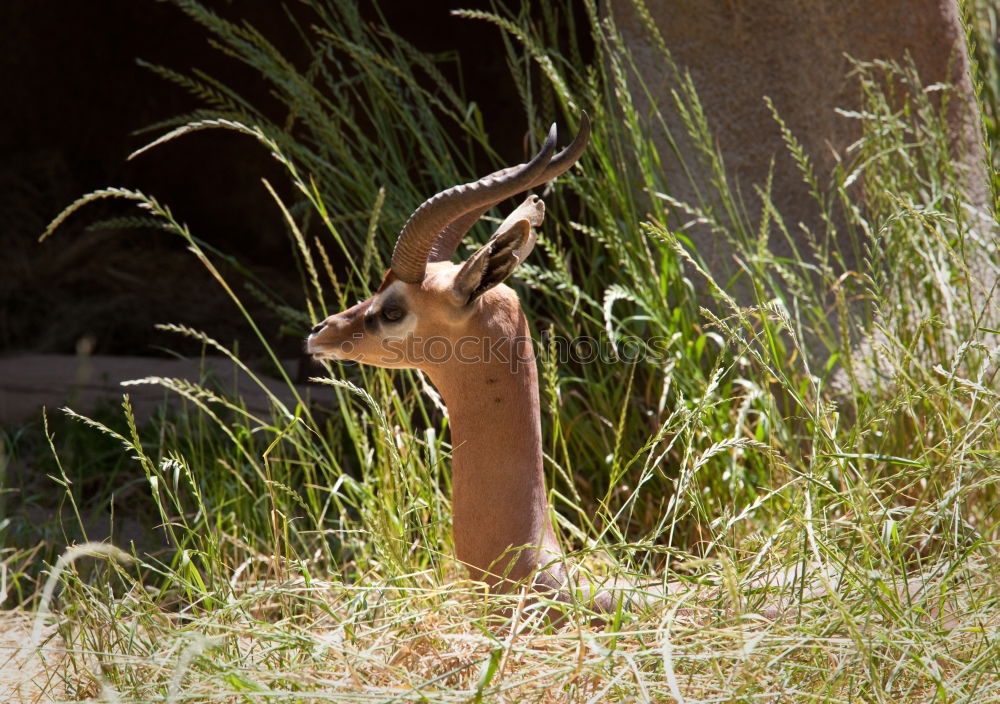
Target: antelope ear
point(497, 259)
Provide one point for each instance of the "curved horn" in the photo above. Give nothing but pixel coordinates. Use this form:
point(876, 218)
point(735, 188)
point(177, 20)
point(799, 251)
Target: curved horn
point(452, 234)
point(409, 258)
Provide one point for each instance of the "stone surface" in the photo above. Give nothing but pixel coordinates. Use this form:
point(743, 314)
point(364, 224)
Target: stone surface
point(29, 382)
point(738, 51)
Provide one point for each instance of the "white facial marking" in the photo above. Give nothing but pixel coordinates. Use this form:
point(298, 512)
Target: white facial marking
point(394, 330)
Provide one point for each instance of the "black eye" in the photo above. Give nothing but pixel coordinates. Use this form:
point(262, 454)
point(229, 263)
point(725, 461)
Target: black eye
point(392, 313)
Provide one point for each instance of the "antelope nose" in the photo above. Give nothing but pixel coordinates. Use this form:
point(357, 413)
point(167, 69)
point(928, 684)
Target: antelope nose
point(318, 327)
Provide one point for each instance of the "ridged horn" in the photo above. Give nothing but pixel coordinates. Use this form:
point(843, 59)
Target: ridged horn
point(451, 235)
point(409, 258)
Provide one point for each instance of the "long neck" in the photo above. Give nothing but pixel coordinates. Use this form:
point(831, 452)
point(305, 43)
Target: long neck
point(499, 500)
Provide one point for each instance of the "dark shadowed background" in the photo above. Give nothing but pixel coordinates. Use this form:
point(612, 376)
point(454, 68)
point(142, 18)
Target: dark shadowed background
point(76, 98)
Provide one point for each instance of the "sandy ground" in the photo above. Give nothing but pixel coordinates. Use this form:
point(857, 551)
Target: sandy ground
point(27, 674)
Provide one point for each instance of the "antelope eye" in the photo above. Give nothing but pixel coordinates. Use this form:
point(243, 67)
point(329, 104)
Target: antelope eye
point(392, 313)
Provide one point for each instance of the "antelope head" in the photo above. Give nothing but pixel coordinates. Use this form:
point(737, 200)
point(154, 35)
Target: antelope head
point(424, 296)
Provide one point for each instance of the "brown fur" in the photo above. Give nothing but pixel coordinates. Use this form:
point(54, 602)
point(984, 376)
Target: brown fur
point(501, 519)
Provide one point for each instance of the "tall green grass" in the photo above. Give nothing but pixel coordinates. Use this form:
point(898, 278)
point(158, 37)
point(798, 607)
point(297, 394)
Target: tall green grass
point(308, 552)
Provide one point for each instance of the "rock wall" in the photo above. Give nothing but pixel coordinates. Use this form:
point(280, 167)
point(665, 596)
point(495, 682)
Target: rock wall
point(738, 51)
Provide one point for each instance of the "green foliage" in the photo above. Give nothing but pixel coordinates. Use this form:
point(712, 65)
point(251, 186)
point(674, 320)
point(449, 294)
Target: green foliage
point(846, 421)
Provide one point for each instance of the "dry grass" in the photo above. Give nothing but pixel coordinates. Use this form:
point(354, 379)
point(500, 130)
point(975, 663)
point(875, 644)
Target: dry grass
point(29, 673)
point(309, 548)
point(381, 643)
